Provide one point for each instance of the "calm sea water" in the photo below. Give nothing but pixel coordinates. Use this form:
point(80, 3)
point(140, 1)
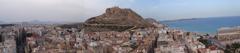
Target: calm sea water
point(204, 25)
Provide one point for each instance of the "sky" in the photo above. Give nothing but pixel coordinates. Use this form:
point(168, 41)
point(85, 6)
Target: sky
point(80, 10)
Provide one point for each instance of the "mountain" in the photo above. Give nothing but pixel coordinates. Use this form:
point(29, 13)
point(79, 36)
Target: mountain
point(38, 22)
point(151, 20)
point(4, 24)
point(206, 18)
point(116, 19)
point(119, 16)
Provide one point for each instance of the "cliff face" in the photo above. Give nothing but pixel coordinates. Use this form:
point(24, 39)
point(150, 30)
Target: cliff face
point(119, 16)
point(114, 19)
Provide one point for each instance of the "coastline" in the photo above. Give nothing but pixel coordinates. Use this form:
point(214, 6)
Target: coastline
point(203, 25)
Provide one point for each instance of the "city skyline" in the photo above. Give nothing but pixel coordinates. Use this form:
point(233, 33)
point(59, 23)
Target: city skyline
point(80, 10)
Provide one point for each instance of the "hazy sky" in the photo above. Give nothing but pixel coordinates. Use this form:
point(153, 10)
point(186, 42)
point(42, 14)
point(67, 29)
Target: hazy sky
point(80, 10)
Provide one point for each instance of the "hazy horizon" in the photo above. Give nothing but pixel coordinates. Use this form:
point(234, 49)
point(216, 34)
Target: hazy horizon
point(80, 10)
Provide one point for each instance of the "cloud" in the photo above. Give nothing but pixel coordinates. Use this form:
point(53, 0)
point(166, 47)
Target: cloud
point(80, 10)
point(52, 10)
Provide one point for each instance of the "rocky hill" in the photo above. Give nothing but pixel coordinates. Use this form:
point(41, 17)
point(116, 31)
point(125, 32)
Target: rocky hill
point(119, 16)
point(114, 19)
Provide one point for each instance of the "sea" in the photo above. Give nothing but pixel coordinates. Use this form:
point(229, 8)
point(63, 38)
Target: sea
point(203, 25)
